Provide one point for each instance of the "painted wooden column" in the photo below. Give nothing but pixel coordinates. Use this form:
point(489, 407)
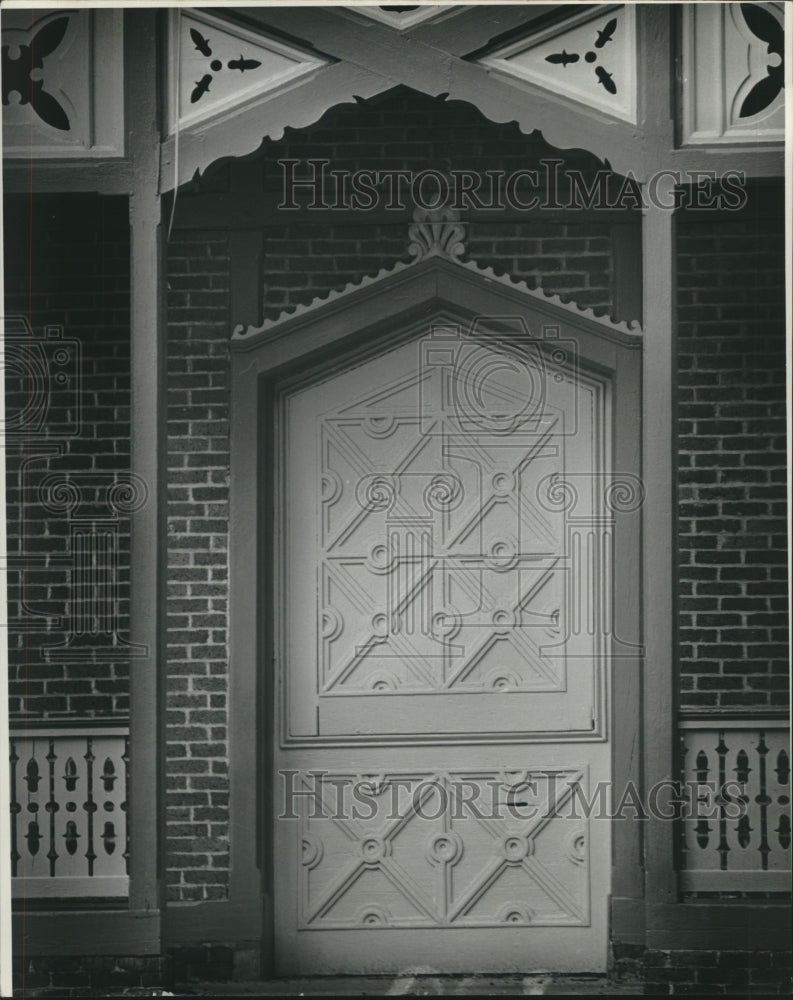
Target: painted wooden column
point(656, 115)
point(659, 562)
point(147, 452)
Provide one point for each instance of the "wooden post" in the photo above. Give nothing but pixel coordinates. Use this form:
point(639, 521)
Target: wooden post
point(146, 418)
point(659, 563)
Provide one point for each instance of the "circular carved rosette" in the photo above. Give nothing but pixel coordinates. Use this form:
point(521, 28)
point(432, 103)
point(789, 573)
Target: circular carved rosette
point(502, 554)
point(444, 848)
point(331, 486)
point(331, 622)
point(311, 850)
point(515, 913)
point(576, 847)
point(374, 915)
point(515, 847)
point(500, 679)
point(374, 848)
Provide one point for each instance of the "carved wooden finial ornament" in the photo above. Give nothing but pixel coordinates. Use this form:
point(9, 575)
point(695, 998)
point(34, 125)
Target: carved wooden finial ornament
point(436, 232)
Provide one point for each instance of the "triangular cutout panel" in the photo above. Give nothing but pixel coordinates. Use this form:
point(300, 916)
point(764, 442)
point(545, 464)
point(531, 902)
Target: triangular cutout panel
point(733, 73)
point(217, 67)
point(589, 58)
point(402, 17)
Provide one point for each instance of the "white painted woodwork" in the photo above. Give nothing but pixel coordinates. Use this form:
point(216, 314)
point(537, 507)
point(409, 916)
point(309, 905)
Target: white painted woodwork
point(84, 74)
point(722, 851)
point(405, 18)
point(442, 606)
point(69, 813)
point(722, 61)
point(590, 45)
point(210, 84)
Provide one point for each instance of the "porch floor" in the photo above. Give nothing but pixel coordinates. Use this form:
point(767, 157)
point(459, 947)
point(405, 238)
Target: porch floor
point(422, 985)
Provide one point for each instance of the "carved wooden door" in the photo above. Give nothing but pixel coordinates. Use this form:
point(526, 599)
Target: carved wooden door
point(442, 606)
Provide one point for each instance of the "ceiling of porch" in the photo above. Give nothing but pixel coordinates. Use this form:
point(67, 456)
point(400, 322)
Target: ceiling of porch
point(638, 86)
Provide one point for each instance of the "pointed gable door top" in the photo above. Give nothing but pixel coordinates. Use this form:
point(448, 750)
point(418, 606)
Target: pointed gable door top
point(436, 242)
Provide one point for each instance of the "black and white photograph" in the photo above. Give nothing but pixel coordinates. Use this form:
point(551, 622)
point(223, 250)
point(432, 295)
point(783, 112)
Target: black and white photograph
point(394, 499)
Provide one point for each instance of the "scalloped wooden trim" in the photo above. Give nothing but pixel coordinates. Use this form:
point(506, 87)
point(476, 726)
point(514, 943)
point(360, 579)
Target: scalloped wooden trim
point(242, 334)
point(243, 131)
point(369, 64)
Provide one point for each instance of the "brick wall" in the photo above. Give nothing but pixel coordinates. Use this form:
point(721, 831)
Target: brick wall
point(67, 264)
point(197, 602)
point(690, 972)
point(403, 130)
point(567, 258)
point(732, 527)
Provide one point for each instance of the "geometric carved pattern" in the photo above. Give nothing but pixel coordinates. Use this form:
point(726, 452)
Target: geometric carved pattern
point(454, 849)
point(448, 532)
point(733, 72)
point(589, 58)
point(717, 844)
point(69, 813)
point(440, 569)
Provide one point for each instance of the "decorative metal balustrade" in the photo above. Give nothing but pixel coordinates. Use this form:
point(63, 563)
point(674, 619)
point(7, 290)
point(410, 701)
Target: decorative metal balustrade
point(69, 834)
point(738, 841)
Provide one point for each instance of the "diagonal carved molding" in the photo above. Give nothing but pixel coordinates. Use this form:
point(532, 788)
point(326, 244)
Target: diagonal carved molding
point(402, 20)
point(369, 63)
point(433, 58)
point(514, 871)
point(432, 69)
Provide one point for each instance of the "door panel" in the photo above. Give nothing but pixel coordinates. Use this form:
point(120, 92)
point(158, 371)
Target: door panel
point(440, 650)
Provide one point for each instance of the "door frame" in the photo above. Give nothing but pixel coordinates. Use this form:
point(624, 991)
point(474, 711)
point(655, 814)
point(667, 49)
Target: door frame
point(363, 319)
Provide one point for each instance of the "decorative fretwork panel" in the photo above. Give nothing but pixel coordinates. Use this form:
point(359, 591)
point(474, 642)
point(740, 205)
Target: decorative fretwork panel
point(69, 813)
point(62, 83)
point(589, 58)
point(217, 67)
point(737, 834)
point(455, 849)
point(733, 72)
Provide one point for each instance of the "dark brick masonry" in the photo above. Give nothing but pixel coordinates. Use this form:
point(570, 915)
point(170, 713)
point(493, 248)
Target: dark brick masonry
point(67, 264)
point(733, 534)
